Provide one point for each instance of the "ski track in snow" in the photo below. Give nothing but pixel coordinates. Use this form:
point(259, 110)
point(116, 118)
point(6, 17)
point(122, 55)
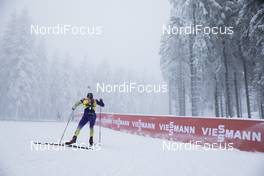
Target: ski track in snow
point(122, 154)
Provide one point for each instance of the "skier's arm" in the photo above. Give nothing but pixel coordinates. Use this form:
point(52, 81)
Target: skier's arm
point(76, 105)
point(100, 102)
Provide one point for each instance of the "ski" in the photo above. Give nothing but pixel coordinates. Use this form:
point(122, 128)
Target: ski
point(94, 147)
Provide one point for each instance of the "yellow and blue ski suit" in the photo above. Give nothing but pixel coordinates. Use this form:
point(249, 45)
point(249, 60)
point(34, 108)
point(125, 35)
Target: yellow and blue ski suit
point(89, 114)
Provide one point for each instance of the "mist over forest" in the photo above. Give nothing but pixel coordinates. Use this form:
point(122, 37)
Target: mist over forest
point(42, 76)
point(209, 75)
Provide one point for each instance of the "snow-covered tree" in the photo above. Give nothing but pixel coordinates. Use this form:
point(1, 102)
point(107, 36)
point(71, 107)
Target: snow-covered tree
point(223, 68)
point(19, 71)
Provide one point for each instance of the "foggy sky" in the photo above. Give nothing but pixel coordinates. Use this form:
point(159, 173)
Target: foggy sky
point(131, 29)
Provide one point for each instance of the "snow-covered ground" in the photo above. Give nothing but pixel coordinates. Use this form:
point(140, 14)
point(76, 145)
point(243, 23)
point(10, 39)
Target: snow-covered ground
point(122, 155)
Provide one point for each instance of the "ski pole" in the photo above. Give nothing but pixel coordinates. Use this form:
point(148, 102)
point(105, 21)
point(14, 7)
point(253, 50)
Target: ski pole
point(100, 134)
point(70, 117)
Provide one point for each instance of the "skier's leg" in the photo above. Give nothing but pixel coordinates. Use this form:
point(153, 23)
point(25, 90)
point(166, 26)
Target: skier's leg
point(82, 122)
point(92, 122)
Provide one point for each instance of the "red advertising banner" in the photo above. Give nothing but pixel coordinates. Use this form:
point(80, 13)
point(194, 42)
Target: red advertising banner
point(246, 135)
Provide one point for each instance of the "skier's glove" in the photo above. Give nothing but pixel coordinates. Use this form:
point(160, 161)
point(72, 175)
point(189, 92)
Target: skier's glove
point(73, 108)
point(101, 102)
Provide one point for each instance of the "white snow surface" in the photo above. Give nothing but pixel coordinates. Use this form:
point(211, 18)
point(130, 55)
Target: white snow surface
point(122, 154)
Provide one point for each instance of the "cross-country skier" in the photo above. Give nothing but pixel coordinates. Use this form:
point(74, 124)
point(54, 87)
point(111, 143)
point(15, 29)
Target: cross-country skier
point(89, 115)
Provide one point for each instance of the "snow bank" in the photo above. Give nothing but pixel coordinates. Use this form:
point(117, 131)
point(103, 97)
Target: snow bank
point(122, 154)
